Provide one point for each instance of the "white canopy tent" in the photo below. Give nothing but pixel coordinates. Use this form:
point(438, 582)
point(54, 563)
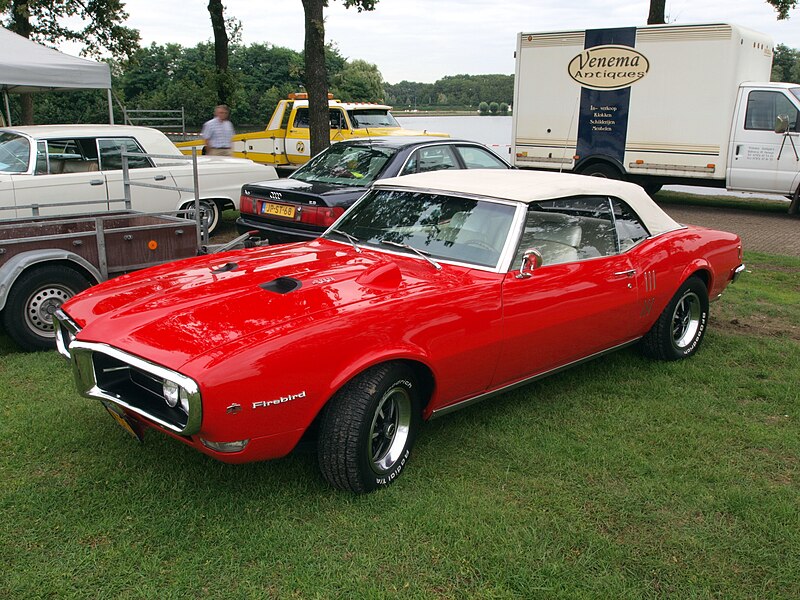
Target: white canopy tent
point(26, 66)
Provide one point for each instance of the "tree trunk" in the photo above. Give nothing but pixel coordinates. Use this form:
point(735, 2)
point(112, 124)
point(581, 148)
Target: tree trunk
point(656, 16)
point(216, 10)
point(316, 77)
point(21, 25)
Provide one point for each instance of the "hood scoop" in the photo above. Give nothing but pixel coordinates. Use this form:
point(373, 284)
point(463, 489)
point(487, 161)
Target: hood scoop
point(386, 276)
point(282, 285)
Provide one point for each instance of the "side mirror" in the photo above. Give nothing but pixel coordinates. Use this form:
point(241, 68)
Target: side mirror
point(531, 260)
point(781, 123)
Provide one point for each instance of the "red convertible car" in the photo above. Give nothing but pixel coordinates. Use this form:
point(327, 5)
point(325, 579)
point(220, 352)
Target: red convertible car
point(432, 292)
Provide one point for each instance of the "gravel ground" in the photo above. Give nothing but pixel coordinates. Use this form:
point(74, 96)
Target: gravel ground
point(773, 233)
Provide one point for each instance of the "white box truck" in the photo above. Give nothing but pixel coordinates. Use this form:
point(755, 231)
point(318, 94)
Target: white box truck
point(665, 104)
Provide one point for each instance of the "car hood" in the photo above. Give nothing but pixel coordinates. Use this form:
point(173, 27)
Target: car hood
point(174, 313)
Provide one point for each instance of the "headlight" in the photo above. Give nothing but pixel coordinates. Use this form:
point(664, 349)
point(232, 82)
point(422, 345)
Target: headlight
point(172, 393)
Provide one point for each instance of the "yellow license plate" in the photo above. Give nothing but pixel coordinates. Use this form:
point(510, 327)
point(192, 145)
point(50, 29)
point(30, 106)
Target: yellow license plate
point(121, 420)
point(279, 210)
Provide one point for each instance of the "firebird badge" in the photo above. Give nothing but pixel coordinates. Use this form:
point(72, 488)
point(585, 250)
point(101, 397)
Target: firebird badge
point(234, 409)
point(281, 400)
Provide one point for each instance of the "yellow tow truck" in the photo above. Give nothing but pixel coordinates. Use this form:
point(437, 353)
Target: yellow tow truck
point(285, 141)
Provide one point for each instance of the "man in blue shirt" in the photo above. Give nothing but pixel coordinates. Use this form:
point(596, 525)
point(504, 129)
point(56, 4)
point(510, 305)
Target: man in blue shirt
point(217, 133)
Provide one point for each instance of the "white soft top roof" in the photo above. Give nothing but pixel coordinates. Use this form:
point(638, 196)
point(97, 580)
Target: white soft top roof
point(26, 66)
point(534, 186)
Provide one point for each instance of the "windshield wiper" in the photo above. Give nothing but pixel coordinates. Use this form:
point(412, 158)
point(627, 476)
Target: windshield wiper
point(350, 238)
point(421, 253)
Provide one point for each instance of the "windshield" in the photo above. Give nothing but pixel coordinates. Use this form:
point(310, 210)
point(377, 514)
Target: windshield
point(373, 117)
point(345, 165)
point(442, 227)
point(15, 153)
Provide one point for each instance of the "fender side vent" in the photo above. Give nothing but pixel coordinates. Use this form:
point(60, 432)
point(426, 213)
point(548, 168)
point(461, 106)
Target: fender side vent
point(282, 285)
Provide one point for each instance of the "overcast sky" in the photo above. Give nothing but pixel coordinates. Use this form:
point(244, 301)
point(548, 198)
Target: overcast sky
point(423, 40)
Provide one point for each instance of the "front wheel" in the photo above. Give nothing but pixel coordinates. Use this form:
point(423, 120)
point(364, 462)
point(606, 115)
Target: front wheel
point(680, 329)
point(368, 429)
point(209, 214)
point(35, 296)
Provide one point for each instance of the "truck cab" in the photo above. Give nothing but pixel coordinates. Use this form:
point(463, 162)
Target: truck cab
point(764, 153)
point(285, 141)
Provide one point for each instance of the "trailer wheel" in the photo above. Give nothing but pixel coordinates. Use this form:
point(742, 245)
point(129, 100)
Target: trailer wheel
point(34, 297)
point(209, 212)
point(601, 170)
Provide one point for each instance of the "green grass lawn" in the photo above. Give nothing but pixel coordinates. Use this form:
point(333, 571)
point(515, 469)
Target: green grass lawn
point(623, 478)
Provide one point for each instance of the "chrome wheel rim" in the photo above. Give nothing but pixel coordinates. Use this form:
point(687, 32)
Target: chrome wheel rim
point(686, 320)
point(41, 305)
point(390, 429)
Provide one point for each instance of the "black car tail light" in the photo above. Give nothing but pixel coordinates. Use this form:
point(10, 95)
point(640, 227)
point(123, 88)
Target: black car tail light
point(321, 216)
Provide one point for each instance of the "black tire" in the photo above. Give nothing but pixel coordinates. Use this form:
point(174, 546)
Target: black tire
point(209, 210)
point(368, 429)
point(681, 328)
point(34, 297)
point(794, 205)
point(652, 188)
point(601, 170)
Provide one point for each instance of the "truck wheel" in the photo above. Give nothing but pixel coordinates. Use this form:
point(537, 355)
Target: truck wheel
point(680, 329)
point(652, 188)
point(34, 297)
point(794, 205)
point(601, 170)
point(368, 429)
point(209, 211)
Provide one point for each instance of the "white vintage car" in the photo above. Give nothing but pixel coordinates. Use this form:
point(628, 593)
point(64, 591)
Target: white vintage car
point(79, 168)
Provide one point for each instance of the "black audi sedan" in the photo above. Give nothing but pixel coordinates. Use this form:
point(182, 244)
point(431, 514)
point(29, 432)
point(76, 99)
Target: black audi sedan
point(305, 204)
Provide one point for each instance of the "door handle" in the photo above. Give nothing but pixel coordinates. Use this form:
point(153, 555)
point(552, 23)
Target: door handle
point(628, 273)
point(96, 182)
point(160, 177)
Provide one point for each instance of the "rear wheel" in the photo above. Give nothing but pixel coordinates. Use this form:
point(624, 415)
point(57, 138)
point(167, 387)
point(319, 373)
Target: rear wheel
point(35, 296)
point(368, 429)
point(680, 329)
point(601, 170)
point(652, 188)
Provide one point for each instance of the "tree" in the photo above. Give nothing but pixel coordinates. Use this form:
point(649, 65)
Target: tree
point(656, 16)
point(50, 21)
point(359, 81)
point(483, 108)
point(786, 64)
point(216, 11)
point(316, 72)
point(782, 7)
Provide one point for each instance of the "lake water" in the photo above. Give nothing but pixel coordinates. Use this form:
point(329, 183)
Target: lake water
point(492, 131)
point(496, 133)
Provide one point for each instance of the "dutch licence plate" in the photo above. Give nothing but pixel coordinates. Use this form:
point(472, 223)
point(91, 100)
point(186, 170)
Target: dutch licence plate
point(279, 210)
point(122, 420)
